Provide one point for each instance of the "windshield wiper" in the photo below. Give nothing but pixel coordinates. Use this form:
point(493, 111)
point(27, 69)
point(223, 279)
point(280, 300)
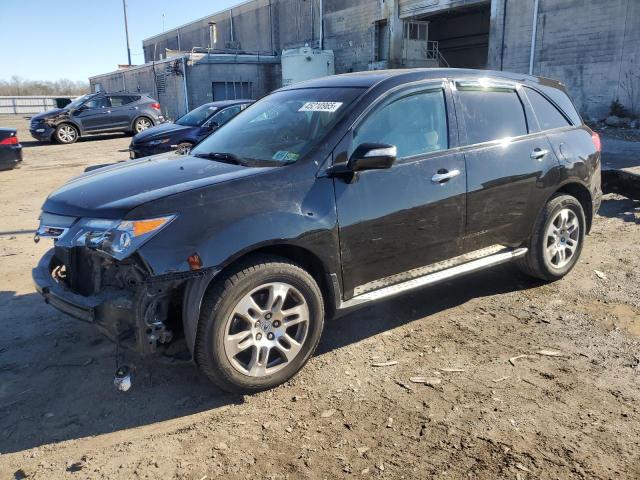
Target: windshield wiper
point(221, 156)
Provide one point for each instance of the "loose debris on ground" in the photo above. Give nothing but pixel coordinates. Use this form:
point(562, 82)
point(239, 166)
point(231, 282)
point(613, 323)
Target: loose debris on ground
point(517, 379)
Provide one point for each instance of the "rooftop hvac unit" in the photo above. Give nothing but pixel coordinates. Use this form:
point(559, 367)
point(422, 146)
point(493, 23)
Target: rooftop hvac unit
point(299, 64)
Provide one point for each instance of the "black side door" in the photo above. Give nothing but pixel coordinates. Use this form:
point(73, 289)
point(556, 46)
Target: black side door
point(510, 164)
point(571, 141)
point(94, 115)
point(411, 215)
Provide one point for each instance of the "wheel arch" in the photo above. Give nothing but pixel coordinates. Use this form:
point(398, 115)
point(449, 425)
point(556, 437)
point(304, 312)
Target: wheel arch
point(142, 115)
point(69, 122)
point(196, 289)
point(581, 193)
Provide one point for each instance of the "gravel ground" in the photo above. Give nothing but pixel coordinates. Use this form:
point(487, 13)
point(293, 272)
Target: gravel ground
point(526, 380)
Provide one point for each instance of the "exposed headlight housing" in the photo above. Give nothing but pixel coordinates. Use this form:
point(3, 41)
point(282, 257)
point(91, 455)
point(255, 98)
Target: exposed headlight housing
point(118, 238)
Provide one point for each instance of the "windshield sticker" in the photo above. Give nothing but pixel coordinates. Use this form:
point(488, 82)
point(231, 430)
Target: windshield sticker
point(285, 156)
point(320, 107)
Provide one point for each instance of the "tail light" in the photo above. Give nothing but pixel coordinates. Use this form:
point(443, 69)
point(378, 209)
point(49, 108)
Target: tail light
point(13, 140)
point(155, 105)
point(596, 141)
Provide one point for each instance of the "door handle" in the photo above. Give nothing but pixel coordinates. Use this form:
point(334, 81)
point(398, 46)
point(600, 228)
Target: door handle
point(538, 153)
point(133, 108)
point(444, 175)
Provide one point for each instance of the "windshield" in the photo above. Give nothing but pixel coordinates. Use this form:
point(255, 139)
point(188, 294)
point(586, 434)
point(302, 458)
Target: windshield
point(197, 116)
point(79, 101)
point(281, 127)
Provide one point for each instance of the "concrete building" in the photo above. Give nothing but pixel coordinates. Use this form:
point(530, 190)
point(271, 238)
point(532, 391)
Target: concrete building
point(592, 46)
point(186, 80)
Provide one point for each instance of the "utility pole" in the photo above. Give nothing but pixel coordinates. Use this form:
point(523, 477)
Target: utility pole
point(126, 29)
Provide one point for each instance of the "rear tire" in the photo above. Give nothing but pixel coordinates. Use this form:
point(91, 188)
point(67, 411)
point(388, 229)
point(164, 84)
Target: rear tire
point(66, 134)
point(556, 242)
point(141, 124)
point(259, 324)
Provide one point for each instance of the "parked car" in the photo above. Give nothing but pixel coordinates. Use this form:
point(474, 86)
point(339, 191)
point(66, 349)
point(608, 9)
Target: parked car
point(187, 130)
point(97, 113)
point(10, 149)
point(323, 196)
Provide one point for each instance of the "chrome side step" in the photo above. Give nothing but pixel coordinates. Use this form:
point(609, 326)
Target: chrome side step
point(433, 278)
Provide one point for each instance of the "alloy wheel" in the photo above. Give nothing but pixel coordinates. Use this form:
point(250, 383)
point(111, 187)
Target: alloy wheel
point(66, 134)
point(562, 238)
point(142, 124)
point(266, 329)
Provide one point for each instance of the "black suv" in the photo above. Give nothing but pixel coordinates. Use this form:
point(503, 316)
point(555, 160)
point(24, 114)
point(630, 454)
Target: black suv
point(320, 197)
point(97, 113)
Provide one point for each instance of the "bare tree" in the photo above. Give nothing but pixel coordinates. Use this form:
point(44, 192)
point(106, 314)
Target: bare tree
point(17, 86)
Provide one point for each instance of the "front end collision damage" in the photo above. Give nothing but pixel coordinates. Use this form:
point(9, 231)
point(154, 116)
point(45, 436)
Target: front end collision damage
point(154, 295)
point(127, 305)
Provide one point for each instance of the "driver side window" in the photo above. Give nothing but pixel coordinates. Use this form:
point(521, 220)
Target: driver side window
point(415, 123)
point(225, 115)
point(96, 103)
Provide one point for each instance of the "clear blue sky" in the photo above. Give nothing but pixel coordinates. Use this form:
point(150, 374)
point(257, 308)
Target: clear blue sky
point(48, 40)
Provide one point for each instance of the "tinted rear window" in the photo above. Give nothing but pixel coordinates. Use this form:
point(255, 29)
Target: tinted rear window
point(491, 114)
point(562, 100)
point(123, 100)
point(548, 115)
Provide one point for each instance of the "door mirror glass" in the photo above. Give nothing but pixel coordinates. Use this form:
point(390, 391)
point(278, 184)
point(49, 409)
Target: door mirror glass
point(211, 125)
point(372, 156)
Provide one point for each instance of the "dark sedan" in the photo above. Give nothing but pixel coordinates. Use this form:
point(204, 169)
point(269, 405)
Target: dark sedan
point(10, 149)
point(187, 130)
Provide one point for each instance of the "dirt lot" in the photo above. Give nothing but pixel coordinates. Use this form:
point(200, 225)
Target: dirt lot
point(571, 416)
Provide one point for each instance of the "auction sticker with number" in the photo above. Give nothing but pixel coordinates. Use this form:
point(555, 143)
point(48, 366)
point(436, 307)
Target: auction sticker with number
point(320, 107)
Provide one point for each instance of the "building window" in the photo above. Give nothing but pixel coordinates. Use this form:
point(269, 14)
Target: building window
point(230, 90)
point(416, 31)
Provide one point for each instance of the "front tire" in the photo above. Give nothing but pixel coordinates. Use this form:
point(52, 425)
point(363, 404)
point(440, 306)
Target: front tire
point(66, 133)
point(557, 239)
point(259, 324)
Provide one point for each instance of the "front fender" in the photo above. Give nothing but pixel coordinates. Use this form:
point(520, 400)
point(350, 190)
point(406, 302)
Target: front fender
point(224, 221)
point(64, 118)
point(191, 304)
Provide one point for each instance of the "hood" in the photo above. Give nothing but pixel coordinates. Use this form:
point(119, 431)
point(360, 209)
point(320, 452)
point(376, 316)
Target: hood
point(159, 131)
point(49, 114)
point(111, 192)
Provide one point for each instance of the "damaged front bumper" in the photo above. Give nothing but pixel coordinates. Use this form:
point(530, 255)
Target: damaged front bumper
point(135, 317)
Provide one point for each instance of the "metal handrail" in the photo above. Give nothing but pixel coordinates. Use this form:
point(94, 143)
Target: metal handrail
point(442, 59)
